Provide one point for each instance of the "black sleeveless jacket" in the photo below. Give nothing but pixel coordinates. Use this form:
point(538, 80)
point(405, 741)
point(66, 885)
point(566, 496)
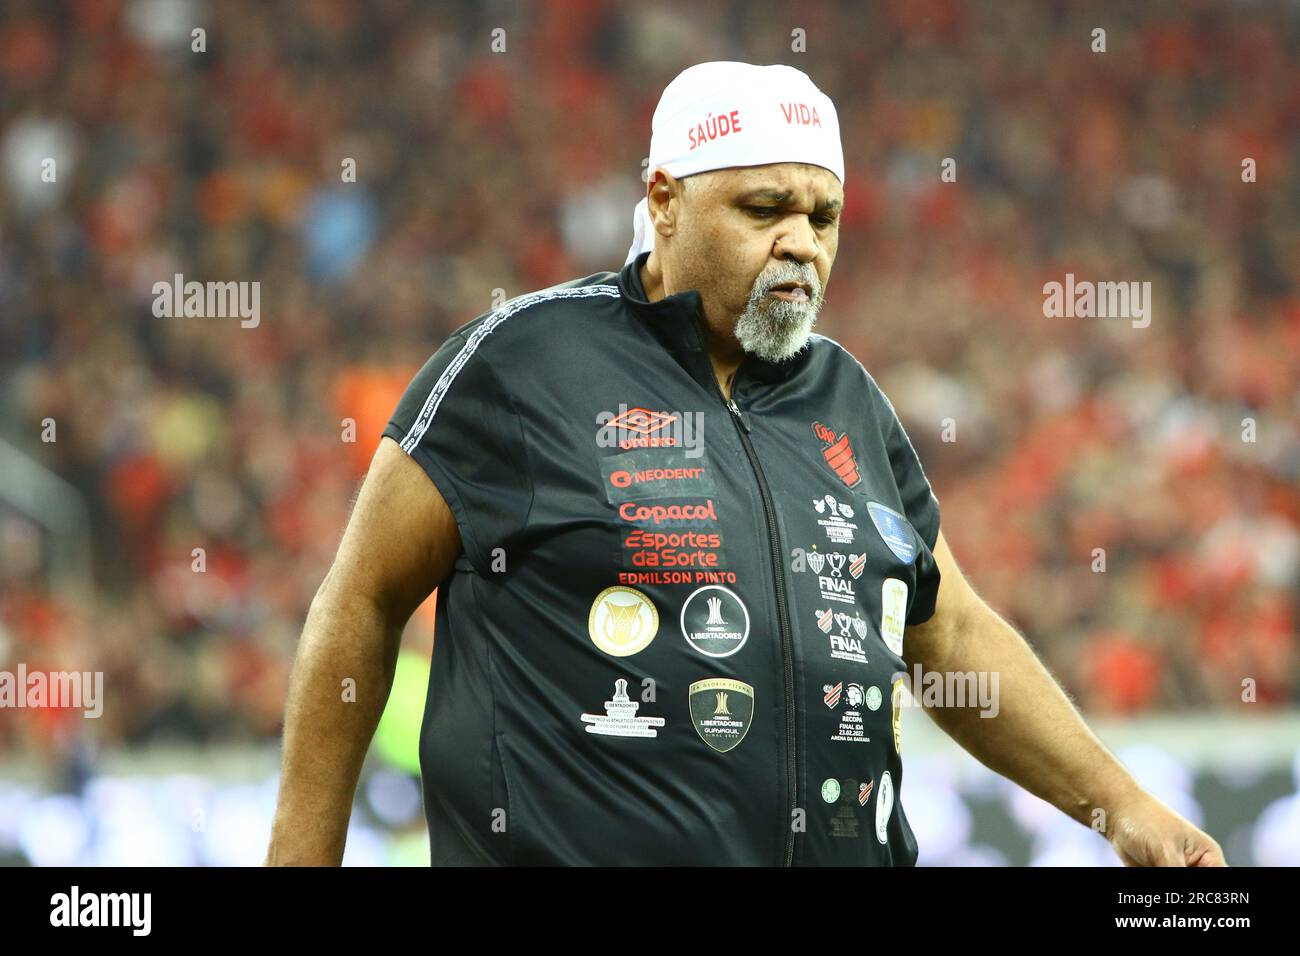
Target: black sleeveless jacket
point(674, 634)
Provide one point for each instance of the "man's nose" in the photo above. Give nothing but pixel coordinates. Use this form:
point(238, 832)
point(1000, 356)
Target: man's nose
point(797, 241)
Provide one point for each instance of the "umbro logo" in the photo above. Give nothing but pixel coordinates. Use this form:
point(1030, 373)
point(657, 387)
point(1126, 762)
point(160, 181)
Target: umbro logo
point(642, 421)
point(641, 427)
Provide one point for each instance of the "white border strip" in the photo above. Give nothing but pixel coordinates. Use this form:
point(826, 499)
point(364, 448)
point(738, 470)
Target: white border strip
point(430, 407)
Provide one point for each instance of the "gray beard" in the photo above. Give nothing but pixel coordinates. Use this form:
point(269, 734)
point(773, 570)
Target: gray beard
point(774, 329)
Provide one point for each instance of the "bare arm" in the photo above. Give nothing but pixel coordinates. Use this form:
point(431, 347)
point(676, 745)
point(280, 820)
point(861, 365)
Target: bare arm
point(1037, 738)
point(400, 543)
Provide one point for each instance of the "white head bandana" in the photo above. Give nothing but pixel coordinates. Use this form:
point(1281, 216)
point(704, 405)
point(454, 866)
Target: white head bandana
point(723, 114)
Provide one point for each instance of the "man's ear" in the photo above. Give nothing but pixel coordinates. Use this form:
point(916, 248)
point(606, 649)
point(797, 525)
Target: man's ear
point(660, 193)
point(663, 200)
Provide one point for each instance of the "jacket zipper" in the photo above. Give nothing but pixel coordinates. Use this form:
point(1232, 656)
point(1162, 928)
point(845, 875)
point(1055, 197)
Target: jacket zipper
point(783, 615)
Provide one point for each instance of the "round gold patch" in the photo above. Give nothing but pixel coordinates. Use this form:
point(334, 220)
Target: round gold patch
point(622, 621)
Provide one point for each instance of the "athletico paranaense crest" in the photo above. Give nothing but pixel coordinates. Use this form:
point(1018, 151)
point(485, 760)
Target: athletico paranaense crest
point(838, 454)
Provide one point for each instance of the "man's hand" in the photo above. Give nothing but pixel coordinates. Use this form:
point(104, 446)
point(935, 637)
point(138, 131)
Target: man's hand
point(1146, 832)
point(1037, 738)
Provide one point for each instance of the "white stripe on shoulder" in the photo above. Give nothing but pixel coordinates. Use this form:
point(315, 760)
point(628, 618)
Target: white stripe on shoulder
point(827, 338)
point(870, 378)
point(513, 307)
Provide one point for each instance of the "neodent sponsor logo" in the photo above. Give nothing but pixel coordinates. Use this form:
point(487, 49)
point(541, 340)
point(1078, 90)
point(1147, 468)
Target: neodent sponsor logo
point(645, 473)
point(624, 479)
point(103, 909)
point(658, 514)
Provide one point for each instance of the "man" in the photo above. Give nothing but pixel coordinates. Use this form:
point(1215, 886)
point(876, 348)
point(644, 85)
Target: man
point(678, 538)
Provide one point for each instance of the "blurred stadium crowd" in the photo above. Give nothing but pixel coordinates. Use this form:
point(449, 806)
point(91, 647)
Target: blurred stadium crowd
point(514, 170)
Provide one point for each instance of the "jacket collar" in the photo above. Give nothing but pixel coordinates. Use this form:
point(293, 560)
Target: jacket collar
point(677, 322)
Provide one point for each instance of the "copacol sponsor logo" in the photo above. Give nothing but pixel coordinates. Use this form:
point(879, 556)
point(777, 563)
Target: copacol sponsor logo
point(75, 908)
point(208, 300)
point(1098, 300)
point(75, 690)
point(642, 428)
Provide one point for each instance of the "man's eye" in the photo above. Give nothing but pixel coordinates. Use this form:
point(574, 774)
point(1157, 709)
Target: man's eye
point(766, 212)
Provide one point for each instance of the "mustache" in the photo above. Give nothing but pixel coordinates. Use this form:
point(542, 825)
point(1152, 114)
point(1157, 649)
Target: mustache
point(809, 277)
point(765, 283)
